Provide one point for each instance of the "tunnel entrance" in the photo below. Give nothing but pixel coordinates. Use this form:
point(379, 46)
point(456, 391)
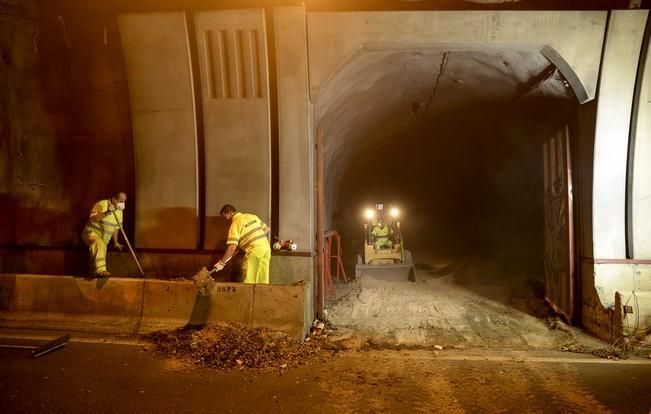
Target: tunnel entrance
point(455, 139)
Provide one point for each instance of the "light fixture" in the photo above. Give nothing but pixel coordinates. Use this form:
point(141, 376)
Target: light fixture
point(395, 212)
point(369, 213)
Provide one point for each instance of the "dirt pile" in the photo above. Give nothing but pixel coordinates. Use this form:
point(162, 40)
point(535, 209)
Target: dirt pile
point(237, 347)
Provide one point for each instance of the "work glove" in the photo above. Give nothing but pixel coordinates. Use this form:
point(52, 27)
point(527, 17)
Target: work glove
point(118, 246)
point(111, 208)
point(219, 266)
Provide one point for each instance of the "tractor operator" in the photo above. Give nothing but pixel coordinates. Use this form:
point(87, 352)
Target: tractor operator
point(101, 227)
point(381, 233)
point(249, 233)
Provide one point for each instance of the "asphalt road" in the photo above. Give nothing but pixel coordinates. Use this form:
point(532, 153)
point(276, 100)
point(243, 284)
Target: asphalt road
point(96, 377)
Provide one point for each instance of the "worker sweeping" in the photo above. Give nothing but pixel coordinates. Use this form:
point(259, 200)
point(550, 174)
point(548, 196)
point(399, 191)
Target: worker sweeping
point(102, 226)
point(250, 234)
point(381, 233)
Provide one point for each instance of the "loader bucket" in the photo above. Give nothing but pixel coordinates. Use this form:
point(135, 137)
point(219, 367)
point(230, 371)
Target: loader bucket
point(372, 275)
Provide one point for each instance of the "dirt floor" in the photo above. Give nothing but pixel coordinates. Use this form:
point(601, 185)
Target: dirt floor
point(467, 303)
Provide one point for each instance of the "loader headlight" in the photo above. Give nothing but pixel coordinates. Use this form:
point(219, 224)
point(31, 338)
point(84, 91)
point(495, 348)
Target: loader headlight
point(369, 213)
point(395, 212)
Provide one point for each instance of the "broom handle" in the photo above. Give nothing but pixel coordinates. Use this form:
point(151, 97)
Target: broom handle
point(128, 244)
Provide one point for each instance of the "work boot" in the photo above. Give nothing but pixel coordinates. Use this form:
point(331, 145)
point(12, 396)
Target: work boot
point(103, 274)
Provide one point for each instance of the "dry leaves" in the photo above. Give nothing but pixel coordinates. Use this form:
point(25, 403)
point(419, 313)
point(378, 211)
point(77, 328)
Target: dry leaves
point(235, 346)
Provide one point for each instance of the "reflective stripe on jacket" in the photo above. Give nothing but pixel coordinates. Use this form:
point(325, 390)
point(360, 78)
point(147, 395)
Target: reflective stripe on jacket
point(106, 226)
point(381, 232)
point(248, 232)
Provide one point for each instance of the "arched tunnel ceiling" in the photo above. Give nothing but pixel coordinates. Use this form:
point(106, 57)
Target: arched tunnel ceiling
point(385, 93)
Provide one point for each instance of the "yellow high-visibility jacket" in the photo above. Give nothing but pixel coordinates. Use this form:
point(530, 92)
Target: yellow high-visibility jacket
point(108, 225)
point(381, 232)
point(248, 232)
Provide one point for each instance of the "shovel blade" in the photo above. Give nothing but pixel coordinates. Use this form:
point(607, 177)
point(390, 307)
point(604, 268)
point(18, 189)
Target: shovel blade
point(203, 281)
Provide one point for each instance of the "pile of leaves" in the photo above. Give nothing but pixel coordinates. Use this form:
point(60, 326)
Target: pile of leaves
point(234, 346)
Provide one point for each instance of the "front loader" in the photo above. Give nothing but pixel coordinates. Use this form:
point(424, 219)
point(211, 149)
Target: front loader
point(388, 263)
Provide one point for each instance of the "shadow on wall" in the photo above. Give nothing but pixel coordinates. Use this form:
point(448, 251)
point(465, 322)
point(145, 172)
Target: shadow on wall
point(47, 262)
point(216, 232)
point(28, 221)
point(215, 239)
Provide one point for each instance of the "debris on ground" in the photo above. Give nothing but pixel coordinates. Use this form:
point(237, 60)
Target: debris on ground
point(528, 296)
point(610, 353)
point(232, 346)
point(576, 348)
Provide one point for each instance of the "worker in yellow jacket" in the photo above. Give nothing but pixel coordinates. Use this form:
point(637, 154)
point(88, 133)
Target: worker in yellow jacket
point(381, 233)
point(250, 234)
point(101, 227)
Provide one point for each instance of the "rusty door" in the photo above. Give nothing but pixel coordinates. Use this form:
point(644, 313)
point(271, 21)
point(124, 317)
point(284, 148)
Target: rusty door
point(559, 225)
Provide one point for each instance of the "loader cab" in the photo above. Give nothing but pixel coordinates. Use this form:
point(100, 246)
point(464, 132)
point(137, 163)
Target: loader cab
point(388, 261)
point(382, 236)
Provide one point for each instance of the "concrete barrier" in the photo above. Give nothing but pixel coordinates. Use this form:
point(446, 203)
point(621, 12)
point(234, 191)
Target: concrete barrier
point(128, 306)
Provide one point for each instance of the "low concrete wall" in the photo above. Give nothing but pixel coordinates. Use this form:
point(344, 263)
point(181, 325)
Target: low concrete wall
point(128, 306)
point(285, 268)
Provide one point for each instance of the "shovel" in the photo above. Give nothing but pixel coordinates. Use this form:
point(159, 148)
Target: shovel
point(204, 281)
point(126, 239)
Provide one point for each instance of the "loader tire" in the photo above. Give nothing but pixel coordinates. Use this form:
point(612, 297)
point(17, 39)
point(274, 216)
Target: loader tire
point(408, 258)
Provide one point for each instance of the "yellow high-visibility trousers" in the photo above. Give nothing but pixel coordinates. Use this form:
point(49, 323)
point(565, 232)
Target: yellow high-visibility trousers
point(383, 243)
point(256, 266)
point(96, 250)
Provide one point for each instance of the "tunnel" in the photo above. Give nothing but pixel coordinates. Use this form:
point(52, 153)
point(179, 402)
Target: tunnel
point(454, 139)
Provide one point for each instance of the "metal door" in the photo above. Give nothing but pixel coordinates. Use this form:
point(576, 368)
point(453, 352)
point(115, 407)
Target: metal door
point(559, 229)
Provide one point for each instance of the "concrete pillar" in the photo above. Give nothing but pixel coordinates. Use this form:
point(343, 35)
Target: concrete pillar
point(616, 87)
point(232, 49)
point(162, 112)
point(296, 190)
point(296, 169)
point(641, 188)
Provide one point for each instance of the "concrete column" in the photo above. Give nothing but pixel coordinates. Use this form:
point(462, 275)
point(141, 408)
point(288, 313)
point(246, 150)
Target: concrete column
point(641, 196)
point(232, 51)
point(295, 149)
point(616, 87)
point(162, 111)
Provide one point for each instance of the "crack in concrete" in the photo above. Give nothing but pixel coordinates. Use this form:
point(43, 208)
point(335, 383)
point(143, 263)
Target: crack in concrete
point(442, 66)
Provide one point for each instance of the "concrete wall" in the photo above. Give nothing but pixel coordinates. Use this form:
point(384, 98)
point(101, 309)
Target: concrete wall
point(165, 143)
point(285, 268)
point(295, 153)
point(617, 82)
point(65, 135)
point(641, 167)
point(232, 50)
point(296, 170)
point(135, 306)
point(603, 150)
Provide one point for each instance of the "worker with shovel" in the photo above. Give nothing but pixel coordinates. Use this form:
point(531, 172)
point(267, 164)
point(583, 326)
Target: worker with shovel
point(250, 234)
point(103, 223)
